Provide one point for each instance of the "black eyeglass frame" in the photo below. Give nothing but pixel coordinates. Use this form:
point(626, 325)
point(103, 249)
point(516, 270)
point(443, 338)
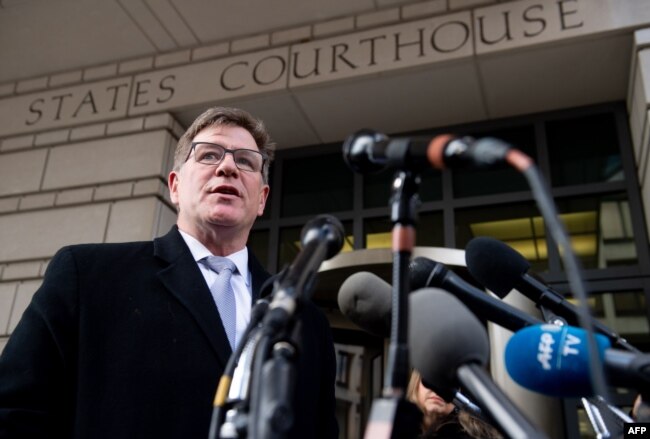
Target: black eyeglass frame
point(226, 151)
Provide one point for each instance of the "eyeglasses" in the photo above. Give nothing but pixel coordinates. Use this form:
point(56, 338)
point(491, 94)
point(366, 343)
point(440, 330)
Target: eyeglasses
point(212, 154)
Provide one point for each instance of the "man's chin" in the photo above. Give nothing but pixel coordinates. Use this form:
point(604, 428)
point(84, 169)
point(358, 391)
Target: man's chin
point(228, 219)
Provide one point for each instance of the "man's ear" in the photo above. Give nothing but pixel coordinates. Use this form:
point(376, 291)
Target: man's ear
point(172, 184)
point(264, 194)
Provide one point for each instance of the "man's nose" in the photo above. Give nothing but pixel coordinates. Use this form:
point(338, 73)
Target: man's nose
point(227, 165)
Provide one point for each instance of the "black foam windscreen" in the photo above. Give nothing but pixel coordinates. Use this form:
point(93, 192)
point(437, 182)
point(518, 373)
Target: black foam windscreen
point(494, 264)
point(420, 271)
point(443, 335)
point(327, 228)
point(366, 299)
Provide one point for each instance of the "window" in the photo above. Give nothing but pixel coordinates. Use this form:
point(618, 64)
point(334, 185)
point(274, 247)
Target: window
point(520, 226)
point(600, 229)
point(584, 150)
point(473, 182)
point(313, 185)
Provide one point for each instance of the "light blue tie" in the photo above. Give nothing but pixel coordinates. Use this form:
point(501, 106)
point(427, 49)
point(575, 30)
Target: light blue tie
point(223, 293)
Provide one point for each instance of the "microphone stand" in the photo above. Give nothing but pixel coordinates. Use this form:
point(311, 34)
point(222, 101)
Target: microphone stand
point(392, 416)
point(242, 351)
point(272, 378)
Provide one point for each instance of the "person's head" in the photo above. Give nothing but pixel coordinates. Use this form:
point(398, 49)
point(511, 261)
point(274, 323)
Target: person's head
point(437, 412)
point(220, 173)
point(216, 116)
point(432, 405)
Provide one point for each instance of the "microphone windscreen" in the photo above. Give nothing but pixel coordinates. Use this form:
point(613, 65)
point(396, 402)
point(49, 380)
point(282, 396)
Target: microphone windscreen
point(366, 299)
point(443, 335)
point(494, 264)
point(327, 228)
point(420, 270)
point(552, 360)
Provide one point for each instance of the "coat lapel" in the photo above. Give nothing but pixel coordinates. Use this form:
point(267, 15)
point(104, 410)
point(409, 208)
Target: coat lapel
point(259, 276)
point(183, 279)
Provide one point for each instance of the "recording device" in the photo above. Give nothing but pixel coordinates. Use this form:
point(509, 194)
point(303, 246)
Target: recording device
point(262, 386)
point(368, 151)
point(500, 268)
point(321, 238)
point(427, 273)
point(553, 360)
point(273, 375)
point(365, 299)
point(451, 361)
point(235, 380)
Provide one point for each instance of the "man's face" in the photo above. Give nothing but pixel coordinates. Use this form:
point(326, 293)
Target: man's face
point(218, 195)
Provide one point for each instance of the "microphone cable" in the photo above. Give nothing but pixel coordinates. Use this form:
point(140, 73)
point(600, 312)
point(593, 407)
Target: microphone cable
point(541, 193)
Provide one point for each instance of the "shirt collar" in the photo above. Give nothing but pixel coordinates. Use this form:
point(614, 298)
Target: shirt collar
point(199, 251)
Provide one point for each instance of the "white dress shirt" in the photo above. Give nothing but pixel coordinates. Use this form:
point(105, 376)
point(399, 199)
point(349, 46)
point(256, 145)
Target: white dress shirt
point(240, 281)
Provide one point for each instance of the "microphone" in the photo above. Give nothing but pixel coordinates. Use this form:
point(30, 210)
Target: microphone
point(459, 360)
point(321, 239)
point(500, 268)
point(368, 151)
point(366, 299)
point(553, 360)
point(234, 382)
point(273, 362)
point(427, 273)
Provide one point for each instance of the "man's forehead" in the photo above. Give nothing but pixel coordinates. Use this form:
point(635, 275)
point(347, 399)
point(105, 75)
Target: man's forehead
point(226, 135)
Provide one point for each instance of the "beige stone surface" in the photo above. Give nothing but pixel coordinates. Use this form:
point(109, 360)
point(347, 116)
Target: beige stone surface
point(39, 234)
point(106, 160)
point(21, 171)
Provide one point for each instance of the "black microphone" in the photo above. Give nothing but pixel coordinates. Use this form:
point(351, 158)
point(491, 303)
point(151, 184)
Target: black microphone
point(500, 268)
point(428, 273)
point(368, 151)
point(366, 300)
point(449, 347)
point(235, 380)
point(321, 239)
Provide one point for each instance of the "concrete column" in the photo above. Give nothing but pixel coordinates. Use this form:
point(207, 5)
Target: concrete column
point(543, 411)
point(91, 183)
point(638, 103)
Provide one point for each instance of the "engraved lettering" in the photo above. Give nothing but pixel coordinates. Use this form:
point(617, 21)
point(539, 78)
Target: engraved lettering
point(314, 72)
point(564, 13)
point(419, 43)
point(165, 84)
point(60, 98)
point(139, 91)
point(506, 33)
point(434, 41)
point(283, 67)
point(34, 110)
point(529, 18)
point(88, 99)
point(341, 56)
point(225, 71)
point(372, 47)
point(115, 89)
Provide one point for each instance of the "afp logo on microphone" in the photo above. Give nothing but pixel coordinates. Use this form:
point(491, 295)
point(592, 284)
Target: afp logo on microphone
point(639, 430)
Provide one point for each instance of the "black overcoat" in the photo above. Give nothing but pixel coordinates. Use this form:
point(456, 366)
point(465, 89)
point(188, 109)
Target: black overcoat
point(125, 341)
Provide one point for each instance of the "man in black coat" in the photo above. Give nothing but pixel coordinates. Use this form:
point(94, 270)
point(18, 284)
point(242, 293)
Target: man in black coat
point(126, 340)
